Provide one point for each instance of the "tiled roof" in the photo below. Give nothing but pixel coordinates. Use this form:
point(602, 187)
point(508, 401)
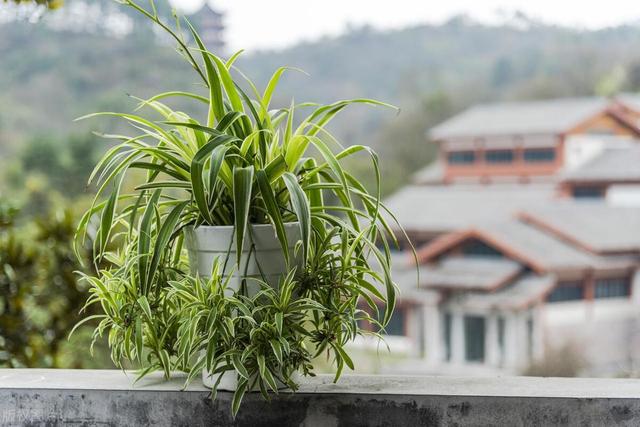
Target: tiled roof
point(405, 275)
point(538, 247)
point(598, 227)
point(446, 208)
point(532, 117)
point(632, 100)
point(618, 164)
point(479, 273)
point(527, 290)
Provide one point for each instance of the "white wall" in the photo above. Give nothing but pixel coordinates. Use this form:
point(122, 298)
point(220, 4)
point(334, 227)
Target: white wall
point(579, 149)
point(623, 195)
point(605, 331)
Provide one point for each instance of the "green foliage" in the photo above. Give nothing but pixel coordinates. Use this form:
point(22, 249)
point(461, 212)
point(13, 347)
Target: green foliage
point(49, 4)
point(467, 61)
point(64, 163)
point(40, 297)
point(242, 163)
point(207, 173)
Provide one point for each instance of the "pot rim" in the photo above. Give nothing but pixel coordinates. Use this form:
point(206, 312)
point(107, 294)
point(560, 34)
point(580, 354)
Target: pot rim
point(253, 225)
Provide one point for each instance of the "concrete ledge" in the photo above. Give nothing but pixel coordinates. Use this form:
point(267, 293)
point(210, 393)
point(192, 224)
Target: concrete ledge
point(107, 397)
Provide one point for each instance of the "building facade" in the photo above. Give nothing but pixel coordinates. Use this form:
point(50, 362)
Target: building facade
point(523, 141)
point(524, 256)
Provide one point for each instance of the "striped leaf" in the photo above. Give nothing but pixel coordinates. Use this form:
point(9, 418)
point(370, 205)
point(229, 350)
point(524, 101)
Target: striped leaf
point(300, 206)
point(242, 180)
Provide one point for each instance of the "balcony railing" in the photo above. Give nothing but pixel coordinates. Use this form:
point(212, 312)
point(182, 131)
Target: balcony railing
point(107, 397)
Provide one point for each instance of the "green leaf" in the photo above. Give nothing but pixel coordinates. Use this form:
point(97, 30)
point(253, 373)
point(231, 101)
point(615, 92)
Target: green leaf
point(158, 168)
point(146, 309)
point(233, 58)
point(273, 210)
point(139, 340)
point(206, 129)
point(178, 94)
point(228, 83)
point(228, 120)
point(83, 321)
point(216, 106)
point(261, 364)
point(144, 239)
point(276, 168)
point(167, 229)
point(300, 206)
point(108, 213)
point(279, 319)
point(343, 354)
point(268, 376)
point(237, 364)
point(242, 180)
point(238, 395)
point(271, 87)
point(166, 364)
point(217, 158)
point(163, 184)
point(197, 169)
point(277, 349)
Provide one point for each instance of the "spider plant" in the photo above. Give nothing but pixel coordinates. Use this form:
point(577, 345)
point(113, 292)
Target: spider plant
point(242, 162)
point(260, 339)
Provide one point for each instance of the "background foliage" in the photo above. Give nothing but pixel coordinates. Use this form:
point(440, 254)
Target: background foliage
point(430, 71)
point(40, 296)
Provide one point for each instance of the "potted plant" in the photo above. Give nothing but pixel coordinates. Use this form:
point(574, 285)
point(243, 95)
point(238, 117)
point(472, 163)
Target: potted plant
point(242, 218)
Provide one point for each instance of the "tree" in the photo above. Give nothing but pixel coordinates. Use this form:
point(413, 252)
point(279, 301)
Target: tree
point(50, 4)
point(40, 296)
point(65, 163)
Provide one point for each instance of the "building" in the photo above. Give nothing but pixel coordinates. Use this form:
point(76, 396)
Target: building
point(526, 141)
point(523, 255)
point(612, 174)
point(210, 25)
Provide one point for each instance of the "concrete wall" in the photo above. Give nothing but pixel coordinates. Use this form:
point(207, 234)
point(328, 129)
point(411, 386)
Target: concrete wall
point(67, 397)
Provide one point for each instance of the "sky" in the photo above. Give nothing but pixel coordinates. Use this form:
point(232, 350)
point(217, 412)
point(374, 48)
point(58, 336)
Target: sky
point(255, 24)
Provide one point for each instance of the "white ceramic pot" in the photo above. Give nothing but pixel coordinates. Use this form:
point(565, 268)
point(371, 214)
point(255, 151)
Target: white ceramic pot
point(261, 258)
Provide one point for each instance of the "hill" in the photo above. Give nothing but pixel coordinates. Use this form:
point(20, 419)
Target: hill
point(48, 77)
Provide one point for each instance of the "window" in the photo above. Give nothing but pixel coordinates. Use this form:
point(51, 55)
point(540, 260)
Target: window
point(540, 155)
point(447, 336)
point(499, 156)
point(588, 192)
point(567, 291)
point(501, 332)
point(461, 157)
point(396, 323)
point(478, 248)
point(474, 327)
point(613, 288)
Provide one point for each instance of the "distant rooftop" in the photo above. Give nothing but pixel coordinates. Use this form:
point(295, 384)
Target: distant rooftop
point(532, 117)
point(595, 226)
point(539, 247)
point(478, 273)
point(523, 292)
point(617, 164)
point(452, 207)
point(630, 99)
